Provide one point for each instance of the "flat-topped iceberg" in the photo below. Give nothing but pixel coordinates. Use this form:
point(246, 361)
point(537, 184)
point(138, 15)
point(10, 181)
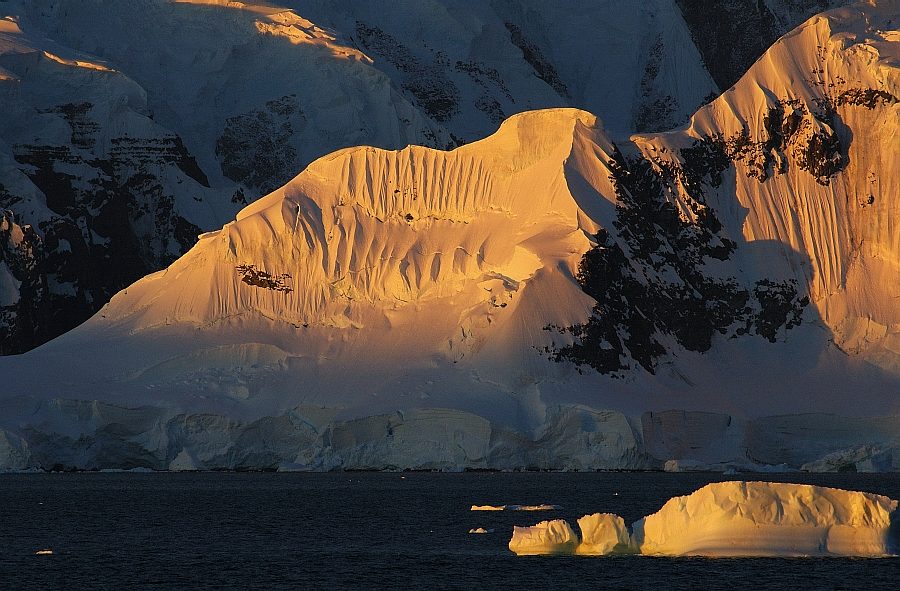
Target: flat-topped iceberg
point(769, 519)
point(734, 519)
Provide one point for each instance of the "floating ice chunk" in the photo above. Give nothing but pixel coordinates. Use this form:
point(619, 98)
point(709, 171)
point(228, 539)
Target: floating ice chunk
point(603, 533)
point(515, 507)
point(46, 552)
point(735, 519)
point(770, 519)
point(533, 507)
point(480, 530)
point(547, 537)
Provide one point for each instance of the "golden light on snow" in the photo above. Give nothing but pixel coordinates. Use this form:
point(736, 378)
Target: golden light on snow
point(285, 23)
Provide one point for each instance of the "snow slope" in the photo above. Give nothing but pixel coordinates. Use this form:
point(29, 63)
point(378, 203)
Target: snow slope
point(171, 115)
point(538, 298)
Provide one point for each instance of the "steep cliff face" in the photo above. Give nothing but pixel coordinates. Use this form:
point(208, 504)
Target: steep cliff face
point(732, 34)
point(89, 177)
point(771, 175)
point(474, 308)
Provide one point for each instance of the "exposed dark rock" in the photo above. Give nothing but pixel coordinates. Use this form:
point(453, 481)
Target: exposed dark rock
point(651, 285)
point(255, 147)
point(794, 134)
point(110, 225)
point(83, 127)
point(485, 76)
point(866, 97)
point(542, 67)
point(490, 107)
point(257, 278)
point(732, 34)
point(655, 112)
point(162, 151)
point(779, 307)
point(24, 321)
point(424, 80)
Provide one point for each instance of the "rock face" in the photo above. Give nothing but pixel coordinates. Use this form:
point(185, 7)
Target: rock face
point(732, 34)
point(523, 300)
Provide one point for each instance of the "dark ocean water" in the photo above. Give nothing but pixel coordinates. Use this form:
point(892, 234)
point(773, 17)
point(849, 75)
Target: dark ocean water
point(366, 531)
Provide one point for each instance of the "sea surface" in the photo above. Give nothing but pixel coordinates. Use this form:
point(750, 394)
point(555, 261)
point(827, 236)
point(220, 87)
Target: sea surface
point(368, 531)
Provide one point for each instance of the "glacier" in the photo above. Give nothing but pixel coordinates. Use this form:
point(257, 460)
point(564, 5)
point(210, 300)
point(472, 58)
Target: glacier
point(734, 519)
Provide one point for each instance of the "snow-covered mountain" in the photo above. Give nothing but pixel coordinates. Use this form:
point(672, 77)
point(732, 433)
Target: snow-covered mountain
point(539, 298)
point(135, 125)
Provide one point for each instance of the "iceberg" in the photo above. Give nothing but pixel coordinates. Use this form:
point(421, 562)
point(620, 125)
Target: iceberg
point(734, 519)
point(541, 507)
point(603, 533)
point(547, 537)
point(770, 519)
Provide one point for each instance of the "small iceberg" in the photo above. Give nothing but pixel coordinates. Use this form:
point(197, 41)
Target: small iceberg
point(734, 519)
point(480, 530)
point(547, 537)
point(544, 507)
point(46, 552)
point(602, 534)
point(534, 507)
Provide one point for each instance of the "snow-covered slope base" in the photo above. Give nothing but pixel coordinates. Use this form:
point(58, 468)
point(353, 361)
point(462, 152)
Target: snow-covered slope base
point(730, 519)
point(539, 298)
